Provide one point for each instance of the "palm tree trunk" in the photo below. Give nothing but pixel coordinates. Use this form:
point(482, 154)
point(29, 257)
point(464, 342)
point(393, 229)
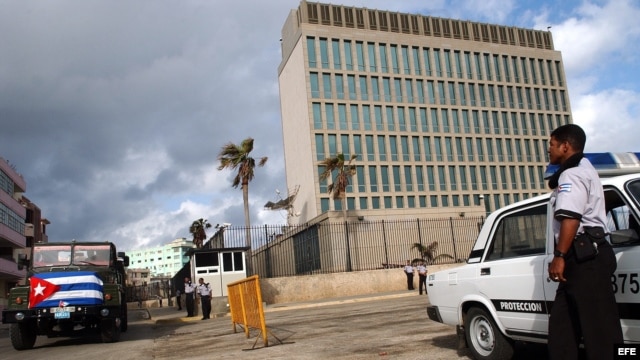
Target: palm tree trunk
point(346, 231)
point(247, 225)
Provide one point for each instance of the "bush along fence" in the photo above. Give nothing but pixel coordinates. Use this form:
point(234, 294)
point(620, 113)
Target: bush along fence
point(332, 247)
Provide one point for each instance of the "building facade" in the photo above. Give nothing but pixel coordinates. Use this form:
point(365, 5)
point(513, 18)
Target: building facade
point(162, 261)
point(21, 225)
point(446, 116)
point(138, 277)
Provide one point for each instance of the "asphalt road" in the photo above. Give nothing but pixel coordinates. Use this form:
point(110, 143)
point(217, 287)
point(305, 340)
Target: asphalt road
point(386, 326)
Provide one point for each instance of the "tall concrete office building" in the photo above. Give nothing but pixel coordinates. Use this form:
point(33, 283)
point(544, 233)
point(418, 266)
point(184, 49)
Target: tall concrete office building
point(447, 117)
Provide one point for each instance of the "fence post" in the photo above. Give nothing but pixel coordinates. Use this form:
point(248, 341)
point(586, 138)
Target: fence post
point(453, 240)
point(346, 234)
point(266, 255)
point(384, 241)
point(419, 231)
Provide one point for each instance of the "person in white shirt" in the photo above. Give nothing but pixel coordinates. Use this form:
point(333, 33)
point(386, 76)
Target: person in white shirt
point(204, 290)
point(408, 270)
point(189, 292)
point(585, 304)
point(422, 277)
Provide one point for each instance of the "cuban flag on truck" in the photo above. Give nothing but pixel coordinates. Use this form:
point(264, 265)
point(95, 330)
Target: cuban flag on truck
point(70, 288)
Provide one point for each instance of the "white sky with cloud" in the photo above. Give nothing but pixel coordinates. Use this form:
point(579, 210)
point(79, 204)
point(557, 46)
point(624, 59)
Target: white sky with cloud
point(115, 111)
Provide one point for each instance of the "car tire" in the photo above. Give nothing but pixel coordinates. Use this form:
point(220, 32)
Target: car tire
point(484, 338)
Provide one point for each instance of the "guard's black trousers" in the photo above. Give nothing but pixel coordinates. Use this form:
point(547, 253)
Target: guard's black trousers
point(189, 303)
point(410, 281)
point(422, 280)
point(585, 306)
point(206, 306)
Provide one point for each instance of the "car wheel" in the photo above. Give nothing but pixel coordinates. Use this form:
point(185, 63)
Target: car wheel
point(484, 337)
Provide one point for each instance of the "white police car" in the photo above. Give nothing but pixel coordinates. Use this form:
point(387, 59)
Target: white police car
point(503, 293)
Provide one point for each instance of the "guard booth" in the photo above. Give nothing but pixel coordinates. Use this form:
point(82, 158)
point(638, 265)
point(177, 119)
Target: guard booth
point(219, 267)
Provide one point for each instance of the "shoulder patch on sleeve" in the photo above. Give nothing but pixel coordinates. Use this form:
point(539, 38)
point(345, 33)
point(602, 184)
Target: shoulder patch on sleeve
point(566, 187)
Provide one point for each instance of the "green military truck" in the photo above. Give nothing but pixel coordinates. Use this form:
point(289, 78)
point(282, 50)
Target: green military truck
point(71, 288)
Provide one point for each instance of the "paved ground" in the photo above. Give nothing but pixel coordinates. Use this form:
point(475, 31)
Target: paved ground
point(390, 325)
point(383, 326)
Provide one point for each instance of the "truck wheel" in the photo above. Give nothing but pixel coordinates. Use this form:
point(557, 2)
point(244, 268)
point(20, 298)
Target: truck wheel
point(110, 331)
point(124, 321)
point(124, 313)
point(23, 336)
point(484, 337)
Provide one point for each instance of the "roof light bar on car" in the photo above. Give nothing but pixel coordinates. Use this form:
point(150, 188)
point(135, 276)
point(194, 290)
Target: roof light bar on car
point(607, 164)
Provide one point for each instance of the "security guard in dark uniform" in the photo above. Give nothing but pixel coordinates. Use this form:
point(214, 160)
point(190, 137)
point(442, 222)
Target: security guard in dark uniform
point(205, 297)
point(189, 292)
point(585, 307)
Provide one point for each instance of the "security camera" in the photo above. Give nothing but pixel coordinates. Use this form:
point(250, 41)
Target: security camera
point(226, 224)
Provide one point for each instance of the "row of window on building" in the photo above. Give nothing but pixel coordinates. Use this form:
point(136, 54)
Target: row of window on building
point(358, 117)
point(396, 178)
point(9, 217)
point(427, 148)
point(494, 201)
point(423, 61)
point(413, 91)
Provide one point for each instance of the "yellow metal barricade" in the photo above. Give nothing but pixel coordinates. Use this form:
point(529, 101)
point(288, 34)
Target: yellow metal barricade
point(245, 306)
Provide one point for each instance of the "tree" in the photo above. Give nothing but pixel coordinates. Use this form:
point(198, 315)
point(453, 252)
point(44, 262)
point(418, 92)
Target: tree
point(428, 253)
point(344, 171)
point(198, 230)
point(338, 188)
point(238, 157)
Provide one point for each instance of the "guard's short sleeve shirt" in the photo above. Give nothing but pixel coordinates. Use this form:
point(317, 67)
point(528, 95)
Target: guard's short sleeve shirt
point(204, 290)
point(579, 195)
point(189, 288)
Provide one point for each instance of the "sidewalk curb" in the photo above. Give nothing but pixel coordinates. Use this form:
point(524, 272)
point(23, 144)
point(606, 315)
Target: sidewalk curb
point(292, 306)
point(165, 320)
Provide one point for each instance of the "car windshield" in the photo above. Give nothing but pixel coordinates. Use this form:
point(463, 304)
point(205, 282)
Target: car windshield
point(633, 187)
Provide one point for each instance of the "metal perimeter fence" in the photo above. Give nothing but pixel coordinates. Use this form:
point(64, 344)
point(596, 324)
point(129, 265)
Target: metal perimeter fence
point(332, 247)
point(152, 291)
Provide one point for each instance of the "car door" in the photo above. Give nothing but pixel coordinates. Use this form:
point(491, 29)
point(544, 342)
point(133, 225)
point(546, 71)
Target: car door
point(513, 268)
point(623, 227)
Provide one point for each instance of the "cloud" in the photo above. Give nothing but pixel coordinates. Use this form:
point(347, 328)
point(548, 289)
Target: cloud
point(114, 112)
point(598, 41)
point(596, 33)
point(610, 120)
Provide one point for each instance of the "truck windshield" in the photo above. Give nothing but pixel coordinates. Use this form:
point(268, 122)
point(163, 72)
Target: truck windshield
point(92, 255)
point(51, 255)
point(62, 255)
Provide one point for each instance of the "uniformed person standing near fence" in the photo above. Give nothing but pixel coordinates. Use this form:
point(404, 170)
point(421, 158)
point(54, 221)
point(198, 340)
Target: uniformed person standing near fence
point(189, 292)
point(205, 297)
point(584, 306)
point(408, 270)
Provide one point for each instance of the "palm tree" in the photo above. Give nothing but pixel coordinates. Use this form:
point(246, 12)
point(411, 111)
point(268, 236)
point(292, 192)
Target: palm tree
point(198, 230)
point(428, 253)
point(234, 157)
point(338, 189)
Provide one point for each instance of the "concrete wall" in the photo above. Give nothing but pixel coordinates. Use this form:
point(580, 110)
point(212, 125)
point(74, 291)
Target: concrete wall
point(313, 287)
